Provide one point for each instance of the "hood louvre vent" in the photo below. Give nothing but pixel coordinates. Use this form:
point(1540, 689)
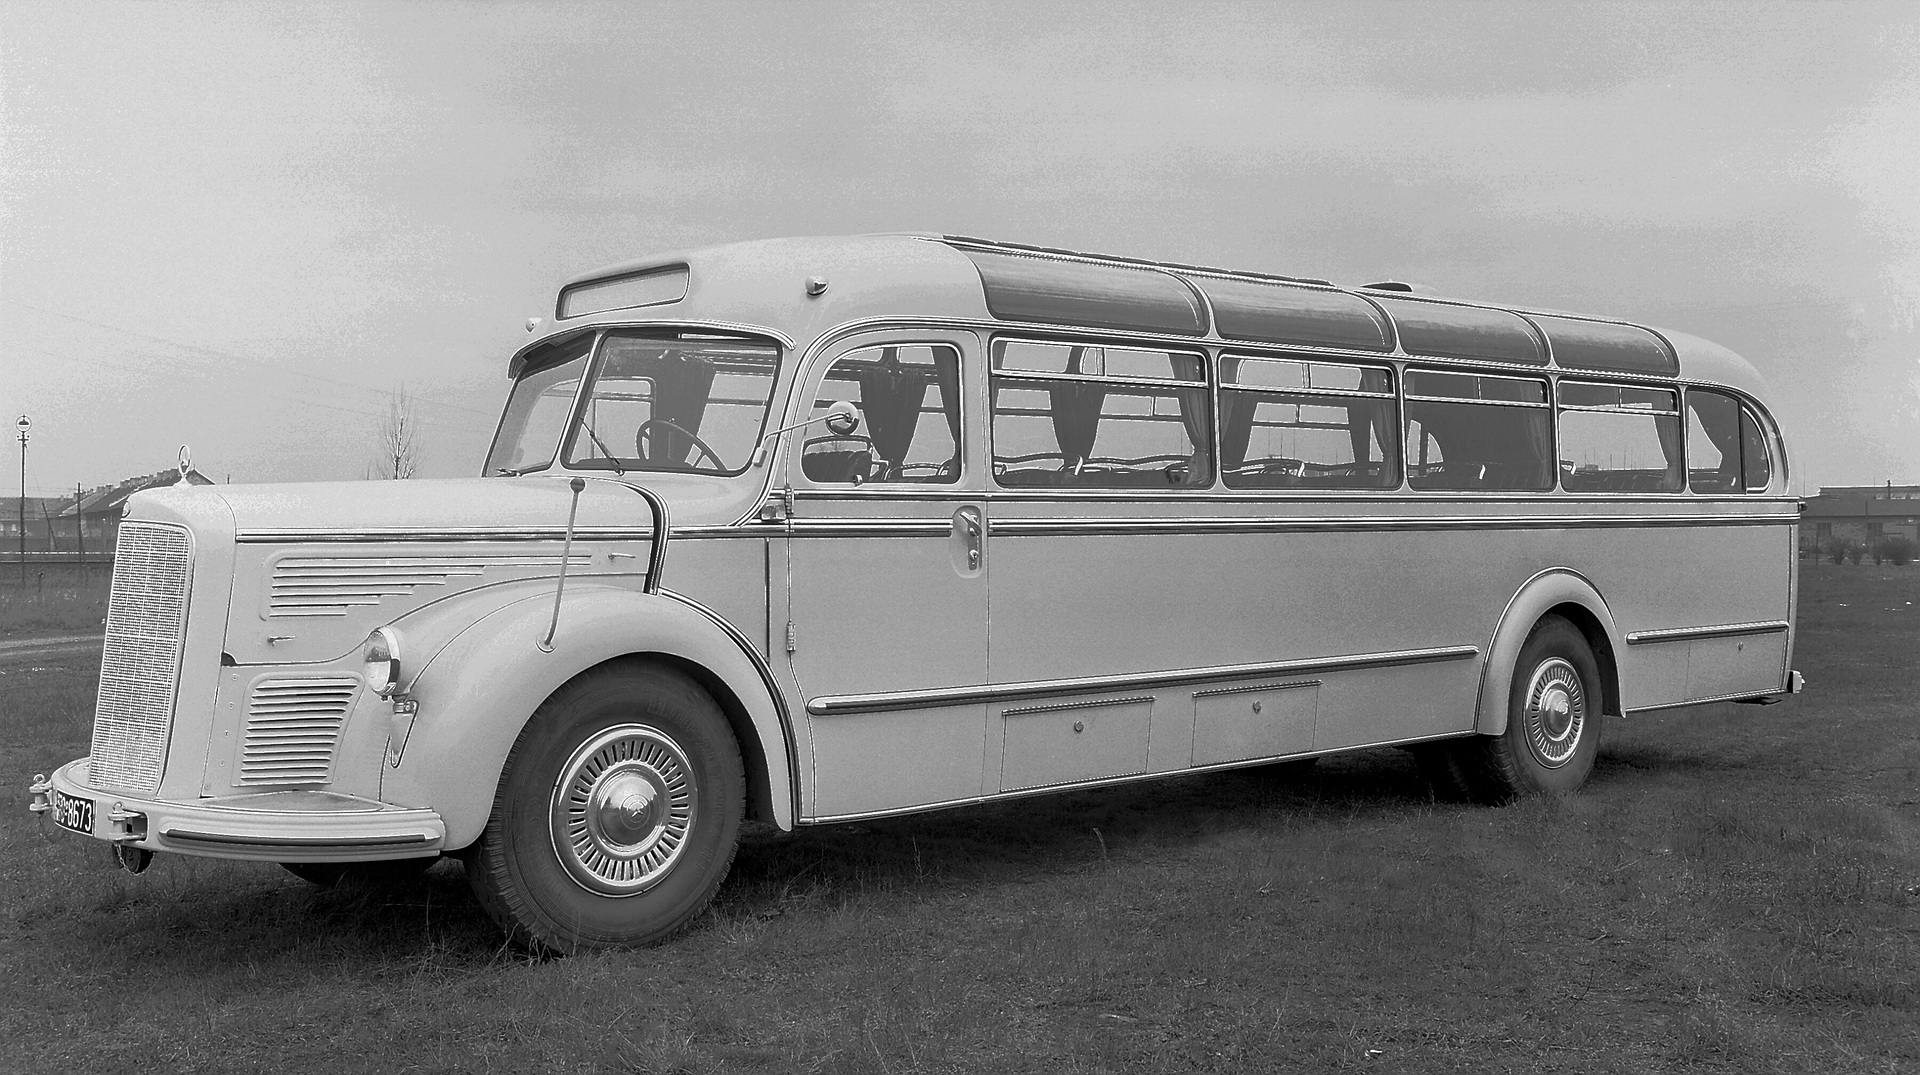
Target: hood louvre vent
point(330, 585)
point(293, 726)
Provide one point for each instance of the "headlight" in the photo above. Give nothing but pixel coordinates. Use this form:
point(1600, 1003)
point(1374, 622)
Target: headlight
point(382, 658)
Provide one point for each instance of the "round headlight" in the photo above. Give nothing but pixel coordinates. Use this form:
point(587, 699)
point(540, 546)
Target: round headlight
point(382, 658)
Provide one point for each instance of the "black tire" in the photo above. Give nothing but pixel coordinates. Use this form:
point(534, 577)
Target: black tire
point(371, 874)
point(617, 815)
point(1553, 723)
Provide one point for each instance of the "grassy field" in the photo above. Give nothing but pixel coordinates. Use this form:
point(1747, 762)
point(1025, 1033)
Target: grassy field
point(1737, 890)
point(53, 599)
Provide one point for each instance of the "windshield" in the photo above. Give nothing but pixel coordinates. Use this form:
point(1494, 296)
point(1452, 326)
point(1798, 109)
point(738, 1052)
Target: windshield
point(683, 404)
point(537, 410)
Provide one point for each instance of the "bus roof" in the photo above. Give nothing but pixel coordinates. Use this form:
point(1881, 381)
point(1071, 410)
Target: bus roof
point(800, 289)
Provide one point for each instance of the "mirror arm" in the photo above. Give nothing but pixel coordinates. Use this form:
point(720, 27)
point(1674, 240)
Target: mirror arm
point(760, 451)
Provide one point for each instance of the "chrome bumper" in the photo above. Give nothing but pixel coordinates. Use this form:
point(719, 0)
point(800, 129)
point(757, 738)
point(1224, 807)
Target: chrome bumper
point(277, 826)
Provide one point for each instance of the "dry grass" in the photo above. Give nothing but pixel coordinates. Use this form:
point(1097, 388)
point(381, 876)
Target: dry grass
point(54, 599)
point(1735, 891)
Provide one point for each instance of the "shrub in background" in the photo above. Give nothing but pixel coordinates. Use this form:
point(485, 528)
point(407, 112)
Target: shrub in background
point(1837, 549)
point(1854, 551)
point(1899, 550)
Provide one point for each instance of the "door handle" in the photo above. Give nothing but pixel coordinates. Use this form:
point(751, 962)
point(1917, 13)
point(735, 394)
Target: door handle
point(971, 529)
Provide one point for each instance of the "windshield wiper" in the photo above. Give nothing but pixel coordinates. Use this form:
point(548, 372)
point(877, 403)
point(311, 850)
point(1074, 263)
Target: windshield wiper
point(598, 443)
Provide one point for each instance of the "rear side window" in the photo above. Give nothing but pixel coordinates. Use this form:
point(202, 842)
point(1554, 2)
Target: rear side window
point(908, 397)
point(1471, 431)
point(1726, 445)
point(1086, 415)
point(1619, 439)
point(1290, 423)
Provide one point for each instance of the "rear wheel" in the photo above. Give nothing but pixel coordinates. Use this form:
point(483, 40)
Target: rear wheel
point(617, 816)
point(1553, 722)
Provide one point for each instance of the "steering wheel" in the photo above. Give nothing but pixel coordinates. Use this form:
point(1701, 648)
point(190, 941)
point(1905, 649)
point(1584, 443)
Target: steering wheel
point(640, 435)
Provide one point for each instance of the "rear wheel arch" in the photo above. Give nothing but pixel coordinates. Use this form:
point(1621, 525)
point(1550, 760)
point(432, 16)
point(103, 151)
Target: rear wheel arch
point(1561, 592)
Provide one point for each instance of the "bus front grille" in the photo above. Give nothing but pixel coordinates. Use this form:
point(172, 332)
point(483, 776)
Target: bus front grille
point(293, 726)
point(140, 665)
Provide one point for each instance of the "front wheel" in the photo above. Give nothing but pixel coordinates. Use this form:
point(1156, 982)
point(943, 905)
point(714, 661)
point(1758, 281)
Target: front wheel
point(1553, 722)
point(617, 815)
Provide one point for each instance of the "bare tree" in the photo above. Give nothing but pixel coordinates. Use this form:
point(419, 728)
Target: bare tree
point(399, 432)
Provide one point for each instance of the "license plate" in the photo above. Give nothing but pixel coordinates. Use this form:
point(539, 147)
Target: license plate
point(72, 813)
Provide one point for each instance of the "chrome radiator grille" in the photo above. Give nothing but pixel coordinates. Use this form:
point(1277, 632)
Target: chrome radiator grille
point(140, 667)
point(293, 726)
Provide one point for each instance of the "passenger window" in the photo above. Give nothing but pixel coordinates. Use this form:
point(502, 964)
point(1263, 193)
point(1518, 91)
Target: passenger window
point(1619, 439)
point(1477, 431)
point(1103, 417)
point(1287, 423)
point(1726, 447)
point(909, 402)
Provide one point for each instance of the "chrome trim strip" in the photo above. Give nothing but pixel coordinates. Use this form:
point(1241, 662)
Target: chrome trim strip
point(1251, 687)
point(1058, 707)
point(830, 705)
point(899, 527)
point(1282, 525)
point(1216, 496)
point(1735, 697)
point(1724, 630)
point(787, 734)
point(228, 839)
point(1129, 778)
point(369, 535)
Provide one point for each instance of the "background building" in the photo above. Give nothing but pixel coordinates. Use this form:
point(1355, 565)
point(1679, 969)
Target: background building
point(1860, 513)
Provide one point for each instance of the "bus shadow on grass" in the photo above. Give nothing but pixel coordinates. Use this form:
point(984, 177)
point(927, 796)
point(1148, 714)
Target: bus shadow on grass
point(189, 915)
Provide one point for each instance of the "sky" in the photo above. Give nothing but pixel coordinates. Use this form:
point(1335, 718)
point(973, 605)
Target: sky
point(245, 227)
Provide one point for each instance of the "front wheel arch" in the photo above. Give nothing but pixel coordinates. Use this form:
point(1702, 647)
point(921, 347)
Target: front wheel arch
point(477, 694)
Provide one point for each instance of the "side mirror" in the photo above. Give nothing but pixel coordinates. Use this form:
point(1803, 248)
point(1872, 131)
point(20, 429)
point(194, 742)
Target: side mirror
point(841, 418)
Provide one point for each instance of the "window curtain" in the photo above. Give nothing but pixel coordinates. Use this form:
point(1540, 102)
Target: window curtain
point(1540, 443)
point(890, 395)
point(1193, 415)
point(1368, 419)
point(682, 384)
point(1236, 417)
point(1720, 416)
point(946, 372)
point(1076, 414)
point(1668, 429)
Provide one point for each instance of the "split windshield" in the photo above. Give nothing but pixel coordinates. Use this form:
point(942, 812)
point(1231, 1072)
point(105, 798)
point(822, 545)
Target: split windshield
point(678, 403)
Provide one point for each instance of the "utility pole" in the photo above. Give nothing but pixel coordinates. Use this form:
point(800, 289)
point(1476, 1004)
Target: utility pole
point(80, 533)
point(23, 425)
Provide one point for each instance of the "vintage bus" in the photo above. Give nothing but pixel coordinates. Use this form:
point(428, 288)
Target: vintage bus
point(815, 530)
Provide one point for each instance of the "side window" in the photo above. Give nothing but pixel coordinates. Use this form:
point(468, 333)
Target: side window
point(908, 397)
point(1287, 423)
point(1101, 417)
point(1478, 431)
point(1619, 439)
point(1726, 445)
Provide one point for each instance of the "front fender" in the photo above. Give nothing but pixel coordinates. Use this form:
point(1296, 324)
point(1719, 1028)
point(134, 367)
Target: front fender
point(1545, 592)
point(477, 692)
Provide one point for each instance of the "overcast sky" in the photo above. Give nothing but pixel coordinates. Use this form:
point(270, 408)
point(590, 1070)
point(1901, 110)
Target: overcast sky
point(242, 226)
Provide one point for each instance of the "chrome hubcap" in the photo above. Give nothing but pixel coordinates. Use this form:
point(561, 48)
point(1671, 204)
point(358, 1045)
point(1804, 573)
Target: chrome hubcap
point(1556, 711)
point(621, 810)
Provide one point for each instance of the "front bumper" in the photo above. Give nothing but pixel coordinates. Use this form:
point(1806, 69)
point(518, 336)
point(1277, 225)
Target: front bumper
point(275, 826)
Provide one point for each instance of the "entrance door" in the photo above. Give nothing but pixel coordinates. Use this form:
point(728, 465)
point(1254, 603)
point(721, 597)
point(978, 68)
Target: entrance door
point(886, 580)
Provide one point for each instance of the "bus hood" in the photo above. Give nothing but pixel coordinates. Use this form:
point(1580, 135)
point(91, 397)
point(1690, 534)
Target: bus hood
point(457, 507)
